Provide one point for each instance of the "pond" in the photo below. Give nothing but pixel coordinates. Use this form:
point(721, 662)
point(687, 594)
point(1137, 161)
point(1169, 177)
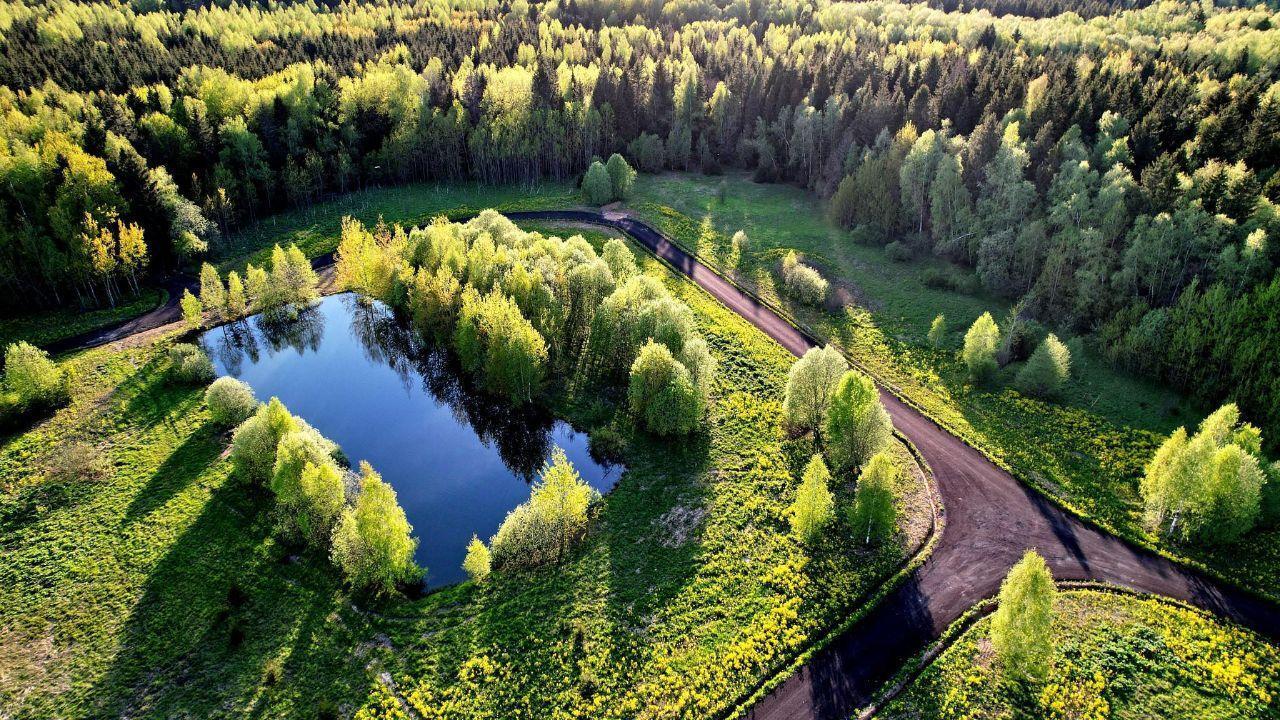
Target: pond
point(459, 459)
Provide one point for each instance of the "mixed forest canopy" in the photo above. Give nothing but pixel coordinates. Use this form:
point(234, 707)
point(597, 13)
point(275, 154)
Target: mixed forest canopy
point(1116, 173)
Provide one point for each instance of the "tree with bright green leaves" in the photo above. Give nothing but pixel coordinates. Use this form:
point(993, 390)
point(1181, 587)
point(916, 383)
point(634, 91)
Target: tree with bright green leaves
point(1047, 370)
point(1022, 626)
point(294, 452)
point(619, 258)
point(367, 263)
point(622, 177)
point(857, 424)
point(597, 188)
point(810, 382)
point(980, 345)
point(373, 544)
point(814, 507)
point(237, 301)
point(662, 394)
point(741, 245)
point(190, 364)
point(874, 515)
point(308, 505)
point(494, 339)
point(542, 529)
point(938, 331)
point(1207, 487)
point(192, 310)
point(434, 299)
point(213, 296)
point(291, 282)
point(253, 447)
point(478, 561)
point(32, 377)
point(230, 401)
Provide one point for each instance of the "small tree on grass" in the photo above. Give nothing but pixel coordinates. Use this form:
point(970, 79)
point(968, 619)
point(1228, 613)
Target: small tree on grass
point(597, 188)
point(1047, 370)
point(1022, 627)
point(980, 344)
point(192, 310)
point(857, 424)
point(542, 529)
point(814, 506)
point(621, 176)
point(31, 376)
point(373, 543)
point(662, 393)
point(874, 515)
point(190, 364)
point(802, 282)
point(938, 331)
point(253, 447)
point(810, 382)
point(230, 401)
point(478, 561)
point(1207, 487)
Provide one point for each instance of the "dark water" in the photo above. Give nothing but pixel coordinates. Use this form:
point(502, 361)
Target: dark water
point(458, 459)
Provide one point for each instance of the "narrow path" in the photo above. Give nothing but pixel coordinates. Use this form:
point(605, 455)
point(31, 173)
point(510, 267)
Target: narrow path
point(991, 519)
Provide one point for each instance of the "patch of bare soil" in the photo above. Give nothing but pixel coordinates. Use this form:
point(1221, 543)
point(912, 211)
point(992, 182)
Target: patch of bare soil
point(678, 524)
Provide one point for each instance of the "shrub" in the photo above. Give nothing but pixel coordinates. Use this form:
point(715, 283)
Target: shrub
point(979, 353)
point(857, 424)
point(189, 364)
point(478, 561)
point(372, 543)
point(898, 251)
point(801, 282)
point(1208, 487)
point(1047, 370)
point(607, 444)
point(810, 382)
point(230, 401)
point(596, 185)
point(814, 506)
point(542, 529)
point(192, 310)
point(874, 515)
point(622, 177)
point(938, 331)
point(1022, 626)
point(662, 394)
point(34, 380)
point(253, 447)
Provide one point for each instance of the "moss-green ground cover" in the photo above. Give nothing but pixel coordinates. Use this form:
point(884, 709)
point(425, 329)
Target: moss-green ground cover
point(1089, 448)
point(1119, 657)
point(156, 590)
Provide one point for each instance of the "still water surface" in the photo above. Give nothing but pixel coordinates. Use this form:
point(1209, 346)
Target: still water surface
point(458, 459)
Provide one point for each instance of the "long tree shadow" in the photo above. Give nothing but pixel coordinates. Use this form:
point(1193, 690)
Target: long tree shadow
point(182, 467)
point(222, 626)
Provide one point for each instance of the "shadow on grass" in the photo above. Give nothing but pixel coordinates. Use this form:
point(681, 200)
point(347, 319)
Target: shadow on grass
point(182, 467)
point(223, 627)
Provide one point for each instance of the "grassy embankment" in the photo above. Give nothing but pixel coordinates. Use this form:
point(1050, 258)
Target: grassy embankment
point(43, 329)
point(1088, 448)
point(1120, 657)
point(155, 589)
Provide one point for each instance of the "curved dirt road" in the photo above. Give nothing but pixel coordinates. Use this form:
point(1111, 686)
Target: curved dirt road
point(991, 519)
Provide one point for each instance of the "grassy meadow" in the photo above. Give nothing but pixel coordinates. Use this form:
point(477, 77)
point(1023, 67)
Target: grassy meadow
point(1119, 657)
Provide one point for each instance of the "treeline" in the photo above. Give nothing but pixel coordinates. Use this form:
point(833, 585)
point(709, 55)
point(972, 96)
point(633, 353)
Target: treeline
point(1101, 170)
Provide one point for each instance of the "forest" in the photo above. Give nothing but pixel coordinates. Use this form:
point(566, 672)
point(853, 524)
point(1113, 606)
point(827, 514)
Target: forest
point(1117, 175)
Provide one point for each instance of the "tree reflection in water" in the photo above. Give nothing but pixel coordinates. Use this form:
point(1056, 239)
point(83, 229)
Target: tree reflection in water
point(521, 435)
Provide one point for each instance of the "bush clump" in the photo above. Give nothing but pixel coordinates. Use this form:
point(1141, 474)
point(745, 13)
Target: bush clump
point(373, 542)
point(662, 394)
point(230, 401)
point(543, 528)
point(189, 364)
point(801, 282)
point(32, 380)
point(1047, 370)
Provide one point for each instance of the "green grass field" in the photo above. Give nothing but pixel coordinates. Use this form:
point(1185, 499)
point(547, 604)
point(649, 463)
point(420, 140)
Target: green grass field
point(154, 588)
point(44, 328)
point(1089, 448)
point(1119, 657)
